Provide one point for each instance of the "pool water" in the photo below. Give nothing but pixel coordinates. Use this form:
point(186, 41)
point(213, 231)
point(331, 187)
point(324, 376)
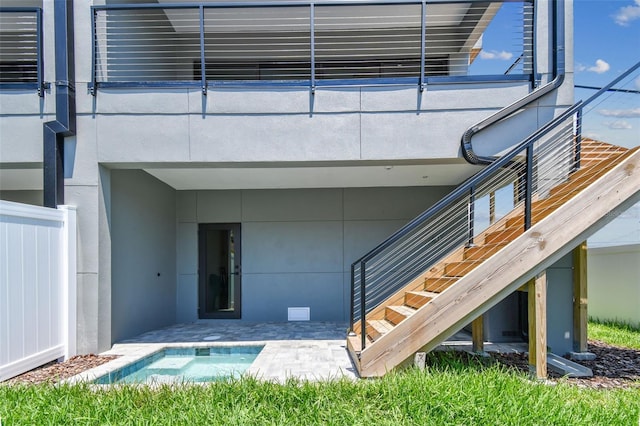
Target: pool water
point(178, 365)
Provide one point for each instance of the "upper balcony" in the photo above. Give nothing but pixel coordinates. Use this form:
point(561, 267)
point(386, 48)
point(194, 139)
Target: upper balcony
point(322, 80)
point(310, 43)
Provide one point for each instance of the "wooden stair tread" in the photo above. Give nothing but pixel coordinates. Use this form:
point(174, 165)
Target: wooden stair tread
point(397, 313)
point(402, 309)
point(582, 178)
point(417, 299)
point(354, 343)
point(438, 284)
point(599, 156)
point(592, 156)
point(459, 269)
point(483, 251)
point(551, 202)
point(593, 143)
point(601, 151)
point(505, 235)
point(376, 328)
point(430, 294)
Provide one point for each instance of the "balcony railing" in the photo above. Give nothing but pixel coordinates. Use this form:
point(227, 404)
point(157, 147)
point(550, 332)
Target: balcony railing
point(21, 64)
point(304, 43)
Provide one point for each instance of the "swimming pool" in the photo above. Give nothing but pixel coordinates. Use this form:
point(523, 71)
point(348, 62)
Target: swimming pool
point(178, 365)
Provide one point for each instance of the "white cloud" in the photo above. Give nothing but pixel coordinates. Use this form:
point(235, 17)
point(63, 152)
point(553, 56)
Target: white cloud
point(618, 125)
point(494, 54)
point(600, 67)
point(580, 67)
point(592, 135)
point(627, 14)
point(620, 113)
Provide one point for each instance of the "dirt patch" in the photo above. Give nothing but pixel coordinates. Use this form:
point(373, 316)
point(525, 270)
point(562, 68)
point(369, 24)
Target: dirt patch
point(56, 371)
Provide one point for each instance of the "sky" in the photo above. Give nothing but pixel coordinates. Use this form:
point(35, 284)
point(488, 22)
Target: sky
point(606, 43)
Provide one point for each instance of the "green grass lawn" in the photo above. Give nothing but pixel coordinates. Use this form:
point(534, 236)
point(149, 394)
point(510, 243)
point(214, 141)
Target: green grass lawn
point(614, 333)
point(448, 392)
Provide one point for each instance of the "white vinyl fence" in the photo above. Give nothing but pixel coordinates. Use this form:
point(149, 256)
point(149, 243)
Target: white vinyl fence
point(37, 286)
point(614, 283)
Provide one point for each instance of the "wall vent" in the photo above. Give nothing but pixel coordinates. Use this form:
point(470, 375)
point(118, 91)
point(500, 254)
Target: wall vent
point(299, 314)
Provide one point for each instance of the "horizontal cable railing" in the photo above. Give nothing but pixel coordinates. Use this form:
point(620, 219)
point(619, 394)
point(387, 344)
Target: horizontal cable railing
point(310, 43)
point(21, 65)
point(529, 183)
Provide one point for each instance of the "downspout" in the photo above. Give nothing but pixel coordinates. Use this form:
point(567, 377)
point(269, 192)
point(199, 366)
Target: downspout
point(65, 123)
point(558, 79)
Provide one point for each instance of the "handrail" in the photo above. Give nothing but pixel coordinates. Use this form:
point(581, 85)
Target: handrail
point(514, 64)
point(483, 174)
point(411, 225)
point(246, 4)
point(558, 73)
point(467, 189)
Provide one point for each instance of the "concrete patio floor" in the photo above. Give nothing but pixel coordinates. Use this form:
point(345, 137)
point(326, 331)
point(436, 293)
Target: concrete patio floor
point(303, 350)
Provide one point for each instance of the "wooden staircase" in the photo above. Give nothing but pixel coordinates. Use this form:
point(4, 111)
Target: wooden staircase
point(472, 279)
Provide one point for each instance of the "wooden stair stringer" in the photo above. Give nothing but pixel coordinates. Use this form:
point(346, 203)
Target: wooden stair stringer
point(538, 248)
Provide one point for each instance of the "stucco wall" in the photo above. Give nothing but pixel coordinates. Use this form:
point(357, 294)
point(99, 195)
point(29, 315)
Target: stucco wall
point(297, 245)
point(26, 197)
point(145, 127)
point(143, 235)
point(507, 321)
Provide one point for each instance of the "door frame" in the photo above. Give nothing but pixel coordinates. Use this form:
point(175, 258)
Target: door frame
point(202, 275)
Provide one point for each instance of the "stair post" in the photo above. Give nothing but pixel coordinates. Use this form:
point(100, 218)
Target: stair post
point(580, 299)
point(477, 335)
point(537, 299)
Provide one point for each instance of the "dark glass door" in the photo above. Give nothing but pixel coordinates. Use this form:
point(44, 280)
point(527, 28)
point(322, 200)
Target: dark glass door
point(219, 270)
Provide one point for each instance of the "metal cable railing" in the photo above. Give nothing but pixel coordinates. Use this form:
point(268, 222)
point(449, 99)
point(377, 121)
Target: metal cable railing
point(21, 64)
point(306, 43)
point(537, 170)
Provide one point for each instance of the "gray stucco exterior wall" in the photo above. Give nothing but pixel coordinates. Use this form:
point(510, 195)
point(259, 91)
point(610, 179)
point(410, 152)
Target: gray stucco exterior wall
point(143, 235)
point(298, 244)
